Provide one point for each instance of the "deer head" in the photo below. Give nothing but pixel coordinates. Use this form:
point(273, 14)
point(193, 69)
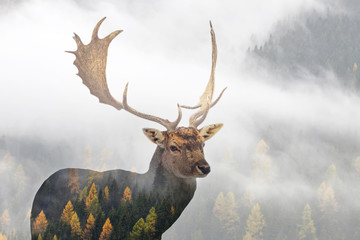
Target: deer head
point(182, 147)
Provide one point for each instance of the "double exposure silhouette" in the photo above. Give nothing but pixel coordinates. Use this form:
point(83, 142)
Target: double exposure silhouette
point(117, 204)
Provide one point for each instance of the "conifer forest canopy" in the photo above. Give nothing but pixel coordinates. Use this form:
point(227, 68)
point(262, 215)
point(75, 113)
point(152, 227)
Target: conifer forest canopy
point(286, 164)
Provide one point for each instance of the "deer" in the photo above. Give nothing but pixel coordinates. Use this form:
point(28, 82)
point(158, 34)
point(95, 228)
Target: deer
point(170, 182)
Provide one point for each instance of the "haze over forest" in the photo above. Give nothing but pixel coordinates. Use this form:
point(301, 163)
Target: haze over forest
point(288, 156)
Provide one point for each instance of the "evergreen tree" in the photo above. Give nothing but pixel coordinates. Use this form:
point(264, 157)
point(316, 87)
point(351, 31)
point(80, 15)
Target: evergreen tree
point(137, 232)
point(307, 229)
point(88, 231)
point(255, 224)
point(67, 213)
point(40, 223)
point(75, 227)
point(149, 227)
point(106, 232)
point(127, 195)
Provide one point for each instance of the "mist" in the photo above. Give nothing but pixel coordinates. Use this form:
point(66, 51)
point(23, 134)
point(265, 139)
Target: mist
point(50, 121)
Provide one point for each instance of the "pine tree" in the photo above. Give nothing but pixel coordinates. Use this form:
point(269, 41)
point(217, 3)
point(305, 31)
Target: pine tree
point(150, 222)
point(255, 224)
point(307, 229)
point(91, 196)
point(40, 223)
point(88, 231)
point(137, 232)
point(127, 195)
point(73, 183)
point(106, 232)
point(67, 213)
point(75, 227)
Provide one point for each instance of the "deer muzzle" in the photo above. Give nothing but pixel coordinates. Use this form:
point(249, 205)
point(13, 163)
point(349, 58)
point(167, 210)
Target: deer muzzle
point(203, 168)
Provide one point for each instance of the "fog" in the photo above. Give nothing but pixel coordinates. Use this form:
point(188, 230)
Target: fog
point(49, 118)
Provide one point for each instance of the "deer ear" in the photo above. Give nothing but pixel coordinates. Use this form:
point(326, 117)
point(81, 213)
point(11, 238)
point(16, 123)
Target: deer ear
point(155, 136)
point(208, 131)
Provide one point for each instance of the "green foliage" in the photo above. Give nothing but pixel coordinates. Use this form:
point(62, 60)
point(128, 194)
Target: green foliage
point(137, 232)
point(150, 224)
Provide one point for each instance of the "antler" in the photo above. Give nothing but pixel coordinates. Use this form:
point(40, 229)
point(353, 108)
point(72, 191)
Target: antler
point(205, 100)
point(91, 63)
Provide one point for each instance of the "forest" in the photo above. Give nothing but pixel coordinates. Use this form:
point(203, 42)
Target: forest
point(316, 42)
point(251, 212)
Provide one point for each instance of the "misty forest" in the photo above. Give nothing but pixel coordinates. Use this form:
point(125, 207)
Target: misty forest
point(286, 165)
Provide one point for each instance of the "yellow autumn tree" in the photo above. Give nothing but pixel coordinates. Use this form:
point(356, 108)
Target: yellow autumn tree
point(91, 196)
point(39, 237)
point(106, 232)
point(88, 231)
point(67, 213)
point(307, 229)
point(225, 210)
point(55, 237)
point(126, 195)
point(326, 198)
point(75, 227)
point(106, 193)
point(40, 223)
point(255, 224)
point(219, 204)
point(2, 237)
point(5, 220)
point(262, 163)
point(172, 211)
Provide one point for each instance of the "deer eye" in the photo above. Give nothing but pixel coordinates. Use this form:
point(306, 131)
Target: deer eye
point(174, 149)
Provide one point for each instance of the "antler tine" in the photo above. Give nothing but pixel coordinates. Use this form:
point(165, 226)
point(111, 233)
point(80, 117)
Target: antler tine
point(166, 123)
point(205, 100)
point(91, 62)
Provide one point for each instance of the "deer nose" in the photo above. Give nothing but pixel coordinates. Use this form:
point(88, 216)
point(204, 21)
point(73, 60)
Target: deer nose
point(205, 169)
